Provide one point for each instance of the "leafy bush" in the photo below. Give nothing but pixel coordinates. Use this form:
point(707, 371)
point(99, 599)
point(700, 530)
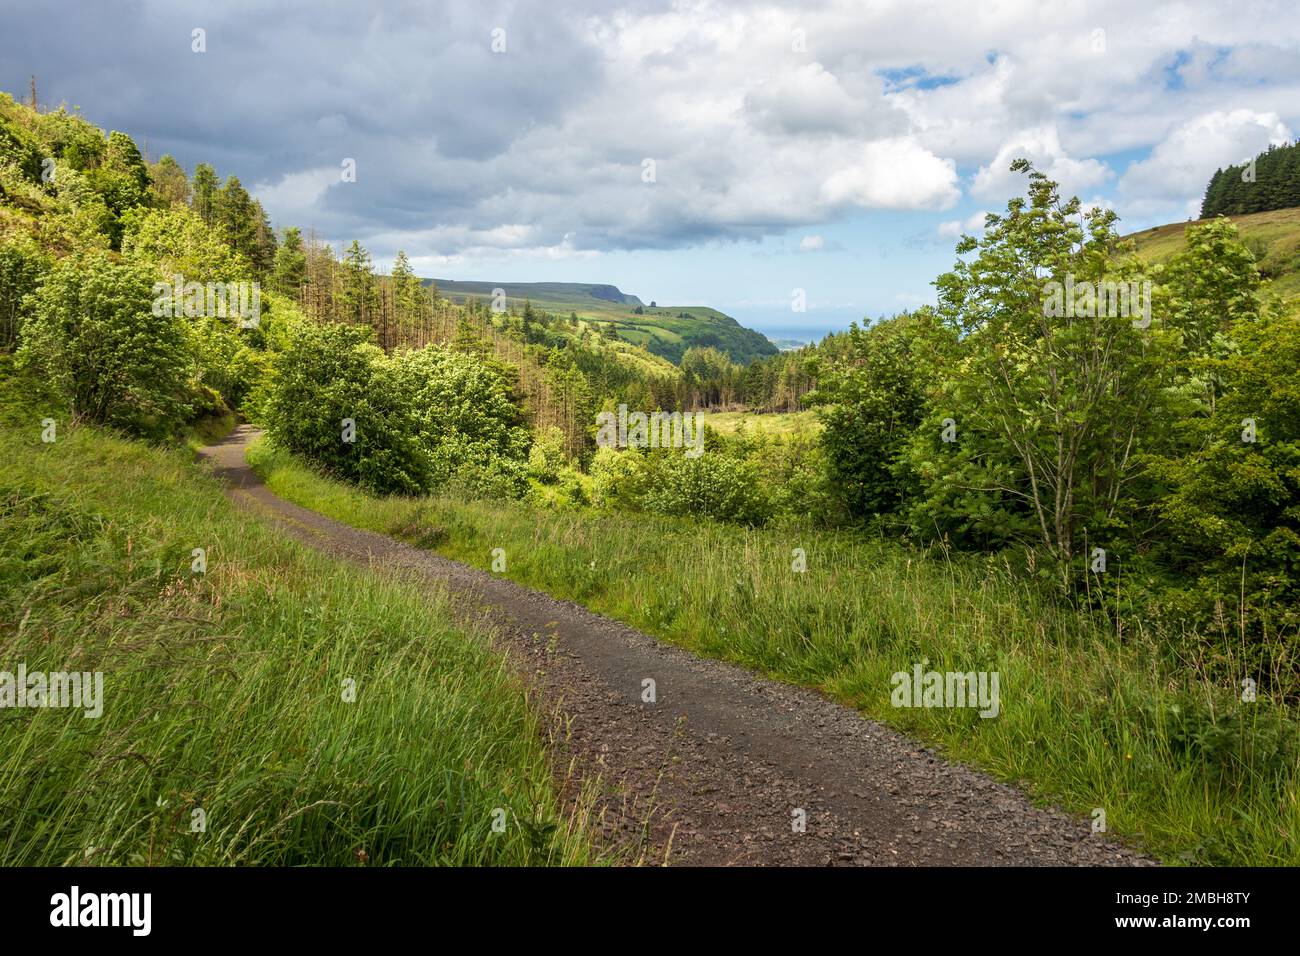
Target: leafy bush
point(332, 373)
point(22, 265)
point(423, 419)
point(471, 432)
point(92, 334)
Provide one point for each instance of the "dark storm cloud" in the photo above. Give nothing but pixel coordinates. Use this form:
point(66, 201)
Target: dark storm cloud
point(287, 87)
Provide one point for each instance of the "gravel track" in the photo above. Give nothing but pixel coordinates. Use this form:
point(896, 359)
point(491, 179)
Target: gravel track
point(713, 771)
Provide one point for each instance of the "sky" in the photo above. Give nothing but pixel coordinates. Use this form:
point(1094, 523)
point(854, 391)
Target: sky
point(725, 154)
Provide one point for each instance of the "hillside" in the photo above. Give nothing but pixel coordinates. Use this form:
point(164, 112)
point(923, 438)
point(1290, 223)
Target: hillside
point(1274, 238)
point(667, 331)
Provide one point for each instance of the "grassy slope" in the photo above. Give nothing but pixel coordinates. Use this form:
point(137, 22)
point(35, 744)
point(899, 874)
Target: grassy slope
point(1088, 720)
point(766, 423)
point(223, 691)
point(663, 330)
point(1273, 236)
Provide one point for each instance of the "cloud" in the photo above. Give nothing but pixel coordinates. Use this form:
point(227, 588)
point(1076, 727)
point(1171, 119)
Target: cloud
point(894, 174)
point(464, 152)
point(1041, 146)
point(956, 228)
point(1181, 165)
point(812, 244)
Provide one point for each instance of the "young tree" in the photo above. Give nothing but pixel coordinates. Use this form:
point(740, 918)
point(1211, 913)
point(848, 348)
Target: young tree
point(204, 192)
point(170, 185)
point(93, 336)
point(290, 271)
point(1037, 429)
point(358, 297)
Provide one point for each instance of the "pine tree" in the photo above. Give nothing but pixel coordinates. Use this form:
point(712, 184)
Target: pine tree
point(204, 191)
point(290, 271)
point(357, 299)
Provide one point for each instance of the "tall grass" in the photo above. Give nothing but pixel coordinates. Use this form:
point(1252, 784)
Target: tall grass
point(1088, 719)
point(226, 691)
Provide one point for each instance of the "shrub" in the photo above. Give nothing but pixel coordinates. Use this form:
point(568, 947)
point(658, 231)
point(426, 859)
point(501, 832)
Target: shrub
point(92, 334)
point(471, 432)
point(332, 373)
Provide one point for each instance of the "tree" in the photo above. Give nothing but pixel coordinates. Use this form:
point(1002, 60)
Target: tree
point(204, 192)
point(93, 336)
point(262, 251)
point(121, 180)
point(1035, 432)
point(331, 378)
point(871, 403)
point(290, 271)
point(170, 185)
point(358, 298)
point(22, 266)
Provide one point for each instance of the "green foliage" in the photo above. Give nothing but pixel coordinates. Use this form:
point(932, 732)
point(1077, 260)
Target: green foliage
point(870, 401)
point(170, 185)
point(290, 269)
point(422, 418)
point(22, 265)
point(122, 181)
point(1050, 396)
point(178, 242)
point(92, 334)
point(469, 430)
point(332, 373)
point(1270, 181)
point(1232, 506)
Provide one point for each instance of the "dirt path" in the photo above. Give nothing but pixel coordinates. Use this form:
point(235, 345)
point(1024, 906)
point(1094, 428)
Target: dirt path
point(715, 770)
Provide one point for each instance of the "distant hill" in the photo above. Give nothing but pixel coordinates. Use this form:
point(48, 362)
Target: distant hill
point(1274, 238)
point(667, 331)
point(788, 345)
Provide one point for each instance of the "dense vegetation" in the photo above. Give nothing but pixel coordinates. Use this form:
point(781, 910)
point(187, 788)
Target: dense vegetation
point(226, 691)
point(1269, 181)
point(269, 706)
point(1132, 470)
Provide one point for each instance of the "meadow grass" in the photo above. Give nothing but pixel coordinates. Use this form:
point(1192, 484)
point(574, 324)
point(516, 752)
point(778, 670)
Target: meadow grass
point(227, 691)
point(1089, 718)
point(764, 423)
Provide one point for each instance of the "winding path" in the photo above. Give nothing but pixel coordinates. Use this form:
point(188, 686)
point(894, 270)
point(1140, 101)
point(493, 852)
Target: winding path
point(716, 769)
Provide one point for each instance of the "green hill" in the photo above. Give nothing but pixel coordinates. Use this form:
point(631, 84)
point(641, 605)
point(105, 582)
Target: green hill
point(667, 331)
point(1274, 238)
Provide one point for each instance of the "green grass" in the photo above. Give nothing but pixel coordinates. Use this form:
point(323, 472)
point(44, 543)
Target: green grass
point(771, 423)
point(1088, 719)
point(225, 691)
point(1273, 236)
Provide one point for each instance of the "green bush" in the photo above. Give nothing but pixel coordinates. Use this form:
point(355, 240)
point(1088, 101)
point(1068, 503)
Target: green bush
point(328, 375)
point(423, 419)
point(471, 433)
point(91, 333)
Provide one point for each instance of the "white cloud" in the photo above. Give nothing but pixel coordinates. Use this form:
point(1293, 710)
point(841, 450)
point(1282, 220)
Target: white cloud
point(894, 174)
point(538, 151)
point(1180, 165)
point(1042, 147)
point(955, 228)
point(812, 244)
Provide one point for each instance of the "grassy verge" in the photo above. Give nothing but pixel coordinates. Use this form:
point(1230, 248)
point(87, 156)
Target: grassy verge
point(314, 712)
point(1088, 719)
